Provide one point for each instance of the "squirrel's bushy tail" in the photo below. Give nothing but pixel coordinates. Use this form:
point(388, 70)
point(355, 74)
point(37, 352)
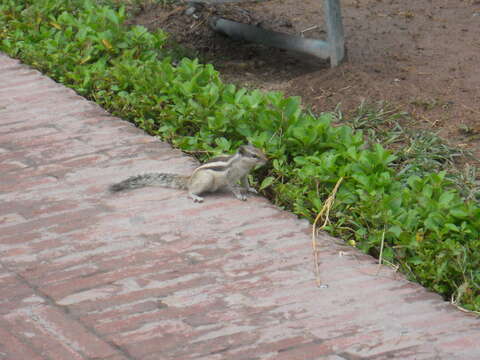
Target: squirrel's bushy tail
point(173, 181)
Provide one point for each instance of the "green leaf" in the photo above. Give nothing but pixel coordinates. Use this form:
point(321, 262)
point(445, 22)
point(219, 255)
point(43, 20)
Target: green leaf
point(416, 260)
point(446, 198)
point(452, 227)
point(223, 144)
point(239, 95)
point(292, 107)
point(431, 224)
point(459, 213)
point(395, 230)
point(112, 16)
point(427, 191)
point(362, 179)
point(267, 182)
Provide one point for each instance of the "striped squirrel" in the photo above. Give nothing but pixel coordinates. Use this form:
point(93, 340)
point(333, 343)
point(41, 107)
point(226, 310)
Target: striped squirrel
point(220, 172)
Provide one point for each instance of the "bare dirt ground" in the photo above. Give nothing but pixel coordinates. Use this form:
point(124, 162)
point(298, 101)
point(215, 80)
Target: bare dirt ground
point(422, 57)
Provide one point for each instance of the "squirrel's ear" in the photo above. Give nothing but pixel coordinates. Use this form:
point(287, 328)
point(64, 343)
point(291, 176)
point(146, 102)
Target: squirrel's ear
point(241, 150)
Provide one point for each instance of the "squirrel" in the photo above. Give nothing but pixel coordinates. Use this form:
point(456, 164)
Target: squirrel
point(219, 172)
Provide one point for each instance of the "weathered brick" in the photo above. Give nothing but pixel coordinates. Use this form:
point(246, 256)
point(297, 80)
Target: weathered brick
point(12, 288)
point(11, 165)
point(39, 336)
point(98, 318)
point(122, 357)
point(211, 344)
point(63, 289)
point(25, 82)
point(30, 93)
point(56, 335)
point(49, 221)
point(81, 302)
point(11, 219)
point(156, 346)
point(19, 238)
point(12, 348)
point(49, 137)
point(9, 185)
point(310, 351)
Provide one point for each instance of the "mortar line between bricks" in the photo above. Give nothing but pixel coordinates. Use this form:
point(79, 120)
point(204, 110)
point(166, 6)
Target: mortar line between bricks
point(23, 339)
point(67, 313)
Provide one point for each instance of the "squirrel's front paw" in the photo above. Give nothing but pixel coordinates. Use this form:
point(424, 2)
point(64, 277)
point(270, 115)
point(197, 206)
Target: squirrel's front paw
point(252, 190)
point(241, 197)
point(195, 198)
point(239, 192)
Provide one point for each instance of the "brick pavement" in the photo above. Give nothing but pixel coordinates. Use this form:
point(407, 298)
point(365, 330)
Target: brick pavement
point(148, 274)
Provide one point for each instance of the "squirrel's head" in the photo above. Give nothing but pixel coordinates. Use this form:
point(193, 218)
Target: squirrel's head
point(252, 154)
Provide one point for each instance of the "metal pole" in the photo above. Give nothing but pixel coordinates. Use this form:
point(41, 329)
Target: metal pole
point(239, 31)
point(334, 48)
point(336, 38)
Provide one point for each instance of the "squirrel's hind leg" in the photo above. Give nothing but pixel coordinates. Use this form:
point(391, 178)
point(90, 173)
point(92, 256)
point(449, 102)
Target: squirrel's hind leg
point(198, 184)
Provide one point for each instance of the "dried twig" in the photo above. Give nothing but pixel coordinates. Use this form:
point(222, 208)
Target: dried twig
point(313, 27)
point(380, 257)
point(454, 302)
point(325, 210)
point(194, 26)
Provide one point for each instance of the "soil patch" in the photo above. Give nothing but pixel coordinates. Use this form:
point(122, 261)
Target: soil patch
point(421, 56)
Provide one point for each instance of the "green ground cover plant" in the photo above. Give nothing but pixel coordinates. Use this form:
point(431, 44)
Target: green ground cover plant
point(427, 224)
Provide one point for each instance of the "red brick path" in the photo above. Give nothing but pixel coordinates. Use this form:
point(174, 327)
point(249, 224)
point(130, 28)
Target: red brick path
point(150, 275)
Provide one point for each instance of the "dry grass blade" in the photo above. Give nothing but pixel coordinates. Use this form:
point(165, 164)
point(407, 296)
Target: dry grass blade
point(454, 302)
point(380, 258)
point(325, 210)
